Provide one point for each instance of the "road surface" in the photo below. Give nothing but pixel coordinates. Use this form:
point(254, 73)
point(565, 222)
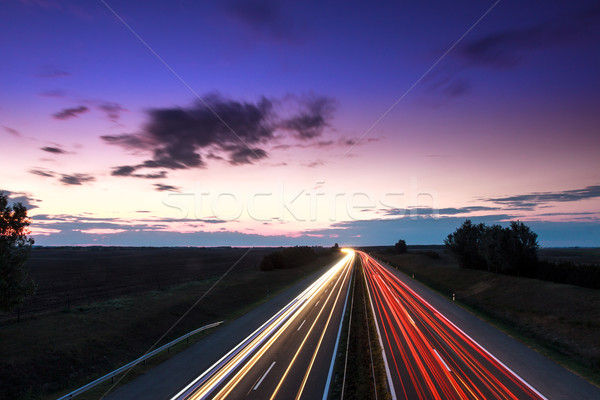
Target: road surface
point(290, 356)
point(428, 357)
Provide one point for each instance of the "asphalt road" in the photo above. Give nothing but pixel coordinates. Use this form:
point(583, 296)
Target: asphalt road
point(170, 378)
point(288, 357)
point(435, 349)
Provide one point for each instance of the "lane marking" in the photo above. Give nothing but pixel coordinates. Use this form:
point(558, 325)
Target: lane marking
point(264, 376)
point(301, 325)
point(442, 360)
point(317, 303)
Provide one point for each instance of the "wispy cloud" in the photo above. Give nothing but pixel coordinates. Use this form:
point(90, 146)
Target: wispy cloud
point(70, 112)
point(506, 48)
point(76, 179)
point(161, 187)
point(53, 150)
point(532, 200)
point(12, 131)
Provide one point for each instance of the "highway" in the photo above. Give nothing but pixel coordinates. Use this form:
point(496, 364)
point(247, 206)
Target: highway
point(291, 355)
point(427, 356)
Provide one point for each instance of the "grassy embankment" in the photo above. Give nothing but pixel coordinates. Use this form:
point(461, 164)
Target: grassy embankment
point(359, 354)
point(560, 321)
point(55, 352)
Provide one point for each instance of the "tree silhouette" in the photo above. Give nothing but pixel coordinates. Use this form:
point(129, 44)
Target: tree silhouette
point(401, 246)
point(15, 247)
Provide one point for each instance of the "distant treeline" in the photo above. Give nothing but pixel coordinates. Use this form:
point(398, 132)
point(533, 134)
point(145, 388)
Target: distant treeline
point(512, 250)
point(292, 257)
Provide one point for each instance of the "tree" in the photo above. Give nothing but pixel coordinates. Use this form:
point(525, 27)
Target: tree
point(511, 250)
point(465, 243)
point(15, 247)
point(400, 246)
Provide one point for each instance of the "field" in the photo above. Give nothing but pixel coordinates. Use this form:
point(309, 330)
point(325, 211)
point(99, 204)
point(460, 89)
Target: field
point(561, 321)
point(99, 308)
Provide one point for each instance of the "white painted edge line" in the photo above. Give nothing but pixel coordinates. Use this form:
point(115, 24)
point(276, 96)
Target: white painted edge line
point(264, 376)
point(387, 367)
point(442, 360)
point(474, 341)
point(337, 341)
point(301, 325)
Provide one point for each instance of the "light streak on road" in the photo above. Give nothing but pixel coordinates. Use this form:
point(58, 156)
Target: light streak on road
point(430, 357)
point(243, 361)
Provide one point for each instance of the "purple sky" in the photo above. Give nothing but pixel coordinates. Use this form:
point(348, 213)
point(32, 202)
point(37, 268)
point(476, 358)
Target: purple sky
point(274, 123)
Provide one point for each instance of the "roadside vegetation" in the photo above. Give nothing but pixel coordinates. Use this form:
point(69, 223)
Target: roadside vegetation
point(55, 350)
point(560, 321)
point(513, 250)
point(359, 369)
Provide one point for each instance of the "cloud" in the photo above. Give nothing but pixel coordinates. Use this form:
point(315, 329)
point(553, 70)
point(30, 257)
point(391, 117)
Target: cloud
point(265, 18)
point(52, 71)
point(12, 131)
point(532, 200)
point(311, 121)
point(76, 179)
point(111, 110)
point(21, 197)
point(246, 155)
point(53, 150)
point(127, 170)
point(428, 212)
point(316, 163)
point(161, 187)
point(42, 172)
point(505, 49)
point(70, 112)
point(178, 137)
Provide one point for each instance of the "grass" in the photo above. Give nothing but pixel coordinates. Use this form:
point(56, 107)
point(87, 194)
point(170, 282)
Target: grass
point(362, 362)
point(86, 341)
point(560, 321)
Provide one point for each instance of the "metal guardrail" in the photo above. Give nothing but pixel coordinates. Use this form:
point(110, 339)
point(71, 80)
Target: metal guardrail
point(136, 361)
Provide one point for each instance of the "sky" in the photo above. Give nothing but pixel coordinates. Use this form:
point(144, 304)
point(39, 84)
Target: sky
point(268, 123)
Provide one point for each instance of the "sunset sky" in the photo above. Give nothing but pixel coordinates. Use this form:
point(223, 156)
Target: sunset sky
point(259, 123)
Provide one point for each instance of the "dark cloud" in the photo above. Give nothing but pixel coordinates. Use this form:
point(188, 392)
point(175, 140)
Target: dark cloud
point(51, 71)
point(127, 170)
point(222, 128)
point(42, 172)
point(111, 110)
point(76, 179)
point(161, 187)
point(12, 131)
point(21, 197)
point(265, 18)
point(246, 155)
point(312, 119)
point(504, 49)
point(53, 150)
point(532, 200)
point(426, 211)
point(70, 112)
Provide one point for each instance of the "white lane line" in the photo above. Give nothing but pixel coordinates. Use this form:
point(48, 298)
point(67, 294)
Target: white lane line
point(301, 325)
point(317, 303)
point(442, 360)
point(264, 376)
